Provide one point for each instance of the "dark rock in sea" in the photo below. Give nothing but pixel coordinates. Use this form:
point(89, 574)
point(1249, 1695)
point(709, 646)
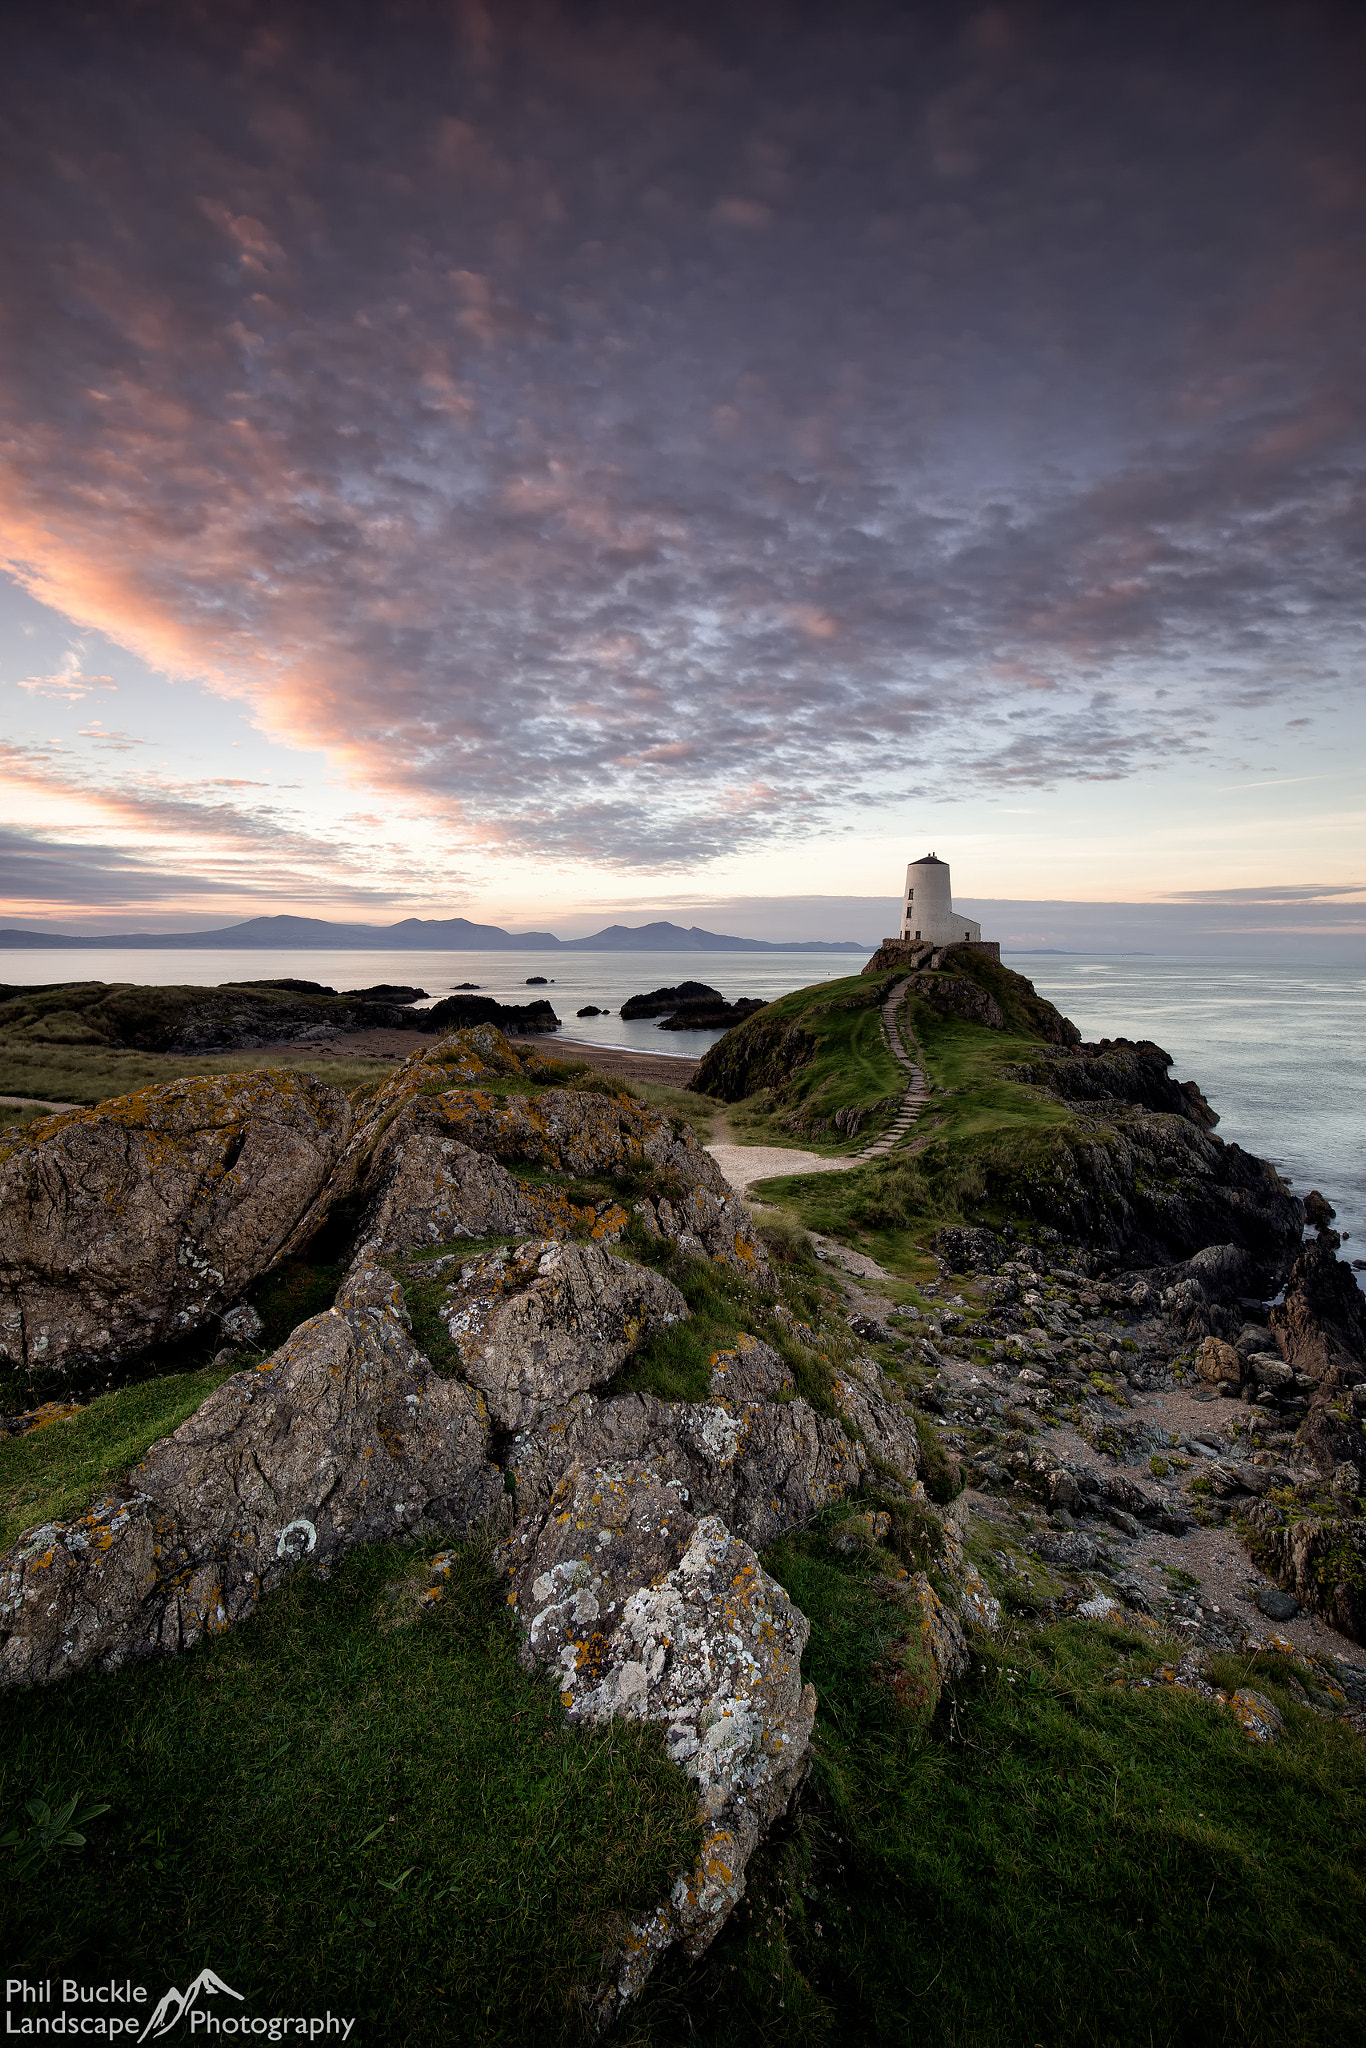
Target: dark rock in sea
point(386, 992)
point(458, 1013)
point(464, 985)
point(711, 1016)
point(1318, 1211)
point(660, 1001)
point(536, 981)
point(592, 1010)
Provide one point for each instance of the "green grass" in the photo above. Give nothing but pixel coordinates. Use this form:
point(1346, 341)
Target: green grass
point(335, 1811)
point(1055, 1862)
point(981, 1135)
point(57, 1471)
point(14, 1116)
point(73, 1073)
point(850, 1066)
point(678, 1105)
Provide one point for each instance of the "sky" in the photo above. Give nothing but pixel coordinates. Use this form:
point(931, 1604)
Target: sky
point(559, 464)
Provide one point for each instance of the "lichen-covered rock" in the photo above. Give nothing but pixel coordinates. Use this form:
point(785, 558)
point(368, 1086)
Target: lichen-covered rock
point(751, 1371)
point(427, 1157)
point(766, 1468)
point(1257, 1716)
point(941, 1632)
point(644, 1612)
point(426, 1187)
point(540, 1323)
point(343, 1436)
point(866, 1397)
point(706, 1225)
point(466, 1058)
point(134, 1223)
point(578, 1131)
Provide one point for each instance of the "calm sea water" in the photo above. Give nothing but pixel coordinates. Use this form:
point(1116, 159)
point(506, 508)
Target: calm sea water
point(1277, 1049)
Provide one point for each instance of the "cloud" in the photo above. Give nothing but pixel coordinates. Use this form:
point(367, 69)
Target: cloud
point(218, 830)
point(572, 434)
point(67, 681)
point(101, 736)
point(1280, 892)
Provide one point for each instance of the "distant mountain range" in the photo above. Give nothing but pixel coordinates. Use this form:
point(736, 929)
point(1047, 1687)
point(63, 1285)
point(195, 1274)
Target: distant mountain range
point(429, 935)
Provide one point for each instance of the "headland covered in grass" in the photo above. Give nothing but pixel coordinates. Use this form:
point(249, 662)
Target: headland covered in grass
point(359, 1800)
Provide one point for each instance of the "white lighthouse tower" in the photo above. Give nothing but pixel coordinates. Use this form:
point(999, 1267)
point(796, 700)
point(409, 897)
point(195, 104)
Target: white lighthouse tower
point(927, 910)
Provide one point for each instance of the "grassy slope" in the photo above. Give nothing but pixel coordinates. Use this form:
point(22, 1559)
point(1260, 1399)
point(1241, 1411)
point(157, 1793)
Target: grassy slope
point(89, 1074)
point(852, 1067)
point(967, 1149)
point(1054, 1862)
point(57, 1470)
point(334, 1811)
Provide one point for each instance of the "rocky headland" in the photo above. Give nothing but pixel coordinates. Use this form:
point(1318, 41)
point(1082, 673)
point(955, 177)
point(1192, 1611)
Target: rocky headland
point(1058, 1337)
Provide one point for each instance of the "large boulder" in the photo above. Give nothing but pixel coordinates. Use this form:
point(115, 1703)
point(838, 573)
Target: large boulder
point(130, 1224)
point(425, 1187)
point(766, 1467)
point(582, 1132)
point(344, 1436)
point(644, 1612)
point(426, 1158)
point(537, 1324)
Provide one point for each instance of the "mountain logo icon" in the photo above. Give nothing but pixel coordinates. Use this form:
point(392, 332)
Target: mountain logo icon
point(172, 2007)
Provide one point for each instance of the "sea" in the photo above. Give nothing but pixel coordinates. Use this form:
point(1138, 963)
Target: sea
point(1277, 1049)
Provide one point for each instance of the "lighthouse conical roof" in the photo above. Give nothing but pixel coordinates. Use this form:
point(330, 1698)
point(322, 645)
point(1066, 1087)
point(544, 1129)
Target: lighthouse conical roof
point(929, 860)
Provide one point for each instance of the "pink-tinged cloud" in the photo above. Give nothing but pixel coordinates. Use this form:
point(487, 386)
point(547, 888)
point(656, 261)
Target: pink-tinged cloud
point(564, 419)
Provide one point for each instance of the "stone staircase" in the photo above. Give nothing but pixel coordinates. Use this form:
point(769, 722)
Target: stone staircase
point(917, 1088)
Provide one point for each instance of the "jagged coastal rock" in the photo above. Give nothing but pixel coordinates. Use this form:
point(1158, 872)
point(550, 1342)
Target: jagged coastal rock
point(344, 1435)
point(514, 1239)
point(130, 1225)
point(629, 1526)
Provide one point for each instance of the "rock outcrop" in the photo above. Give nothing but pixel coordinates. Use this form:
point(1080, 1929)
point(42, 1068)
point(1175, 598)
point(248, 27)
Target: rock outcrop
point(238, 1016)
point(536, 1325)
point(644, 1612)
point(133, 1224)
point(345, 1435)
point(461, 1012)
point(628, 1527)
